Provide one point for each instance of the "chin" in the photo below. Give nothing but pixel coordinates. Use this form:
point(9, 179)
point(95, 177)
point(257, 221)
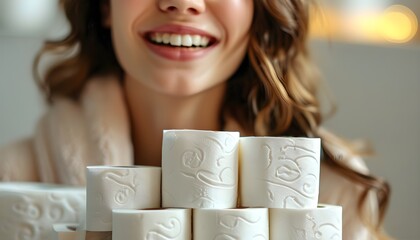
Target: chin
point(185, 87)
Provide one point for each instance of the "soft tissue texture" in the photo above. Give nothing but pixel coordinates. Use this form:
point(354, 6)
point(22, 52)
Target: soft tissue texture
point(323, 222)
point(28, 210)
point(221, 224)
point(199, 169)
point(174, 224)
point(119, 188)
point(279, 172)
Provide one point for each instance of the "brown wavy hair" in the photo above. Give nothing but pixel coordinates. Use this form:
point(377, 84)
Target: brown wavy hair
point(277, 79)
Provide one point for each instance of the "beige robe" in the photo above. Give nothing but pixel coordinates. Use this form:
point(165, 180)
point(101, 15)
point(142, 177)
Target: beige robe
point(96, 131)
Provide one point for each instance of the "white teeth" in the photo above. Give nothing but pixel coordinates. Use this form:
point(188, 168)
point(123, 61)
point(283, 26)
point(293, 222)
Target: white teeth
point(178, 40)
point(166, 38)
point(158, 38)
point(196, 40)
point(204, 41)
point(186, 41)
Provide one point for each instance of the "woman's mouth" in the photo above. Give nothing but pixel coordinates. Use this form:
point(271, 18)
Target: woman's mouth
point(180, 40)
point(179, 43)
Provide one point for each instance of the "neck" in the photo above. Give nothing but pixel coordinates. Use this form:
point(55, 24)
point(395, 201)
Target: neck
point(152, 112)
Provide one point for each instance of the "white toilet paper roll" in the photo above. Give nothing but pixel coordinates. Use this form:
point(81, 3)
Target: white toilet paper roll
point(199, 169)
point(223, 224)
point(133, 187)
point(324, 222)
point(29, 210)
point(278, 172)
point(174, 224)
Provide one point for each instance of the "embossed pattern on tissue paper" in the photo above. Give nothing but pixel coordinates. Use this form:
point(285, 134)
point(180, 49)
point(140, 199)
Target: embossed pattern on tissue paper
point(220, 176)
point(228, 146)
point(127, 185)
point(121, 196)
point(168, 231)
point(233, 221)
point(285, 171)
point(31, 212)
point(33, 215)
point(194, 158)
point(293, 146)
point(197, 166)
point(314, 230)
point(202, 197)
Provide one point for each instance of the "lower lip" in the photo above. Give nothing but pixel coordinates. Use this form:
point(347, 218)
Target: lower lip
point(179, 53)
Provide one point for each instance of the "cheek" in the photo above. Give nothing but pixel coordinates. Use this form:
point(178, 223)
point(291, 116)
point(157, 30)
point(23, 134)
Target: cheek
point(124, 12)
point(128, 4)
point(236, 15)
point(120, 11)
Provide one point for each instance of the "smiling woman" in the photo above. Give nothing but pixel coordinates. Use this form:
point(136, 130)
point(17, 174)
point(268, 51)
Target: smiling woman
point(141, 67)
point(172, 68)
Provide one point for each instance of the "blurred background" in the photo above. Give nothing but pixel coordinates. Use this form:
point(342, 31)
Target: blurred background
point(369, 55)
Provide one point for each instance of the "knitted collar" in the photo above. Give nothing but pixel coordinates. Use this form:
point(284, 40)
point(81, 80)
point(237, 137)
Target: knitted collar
point(92, 131)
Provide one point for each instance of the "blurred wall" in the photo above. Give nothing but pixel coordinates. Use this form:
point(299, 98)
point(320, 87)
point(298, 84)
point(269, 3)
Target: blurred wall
point(377, 90)
point(20, 102)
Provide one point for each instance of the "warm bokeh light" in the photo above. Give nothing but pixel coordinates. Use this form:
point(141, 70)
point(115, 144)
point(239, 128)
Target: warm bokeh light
point(398, 24)
point(395, 24)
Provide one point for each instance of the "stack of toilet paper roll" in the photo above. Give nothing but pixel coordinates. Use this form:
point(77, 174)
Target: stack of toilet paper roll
point(282, 174)
point(123, 189)
point(200, 170)
point(213, 185)
point(108, 188)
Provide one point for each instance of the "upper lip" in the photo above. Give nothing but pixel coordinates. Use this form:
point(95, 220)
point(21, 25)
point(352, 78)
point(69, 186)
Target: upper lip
point(179, 29)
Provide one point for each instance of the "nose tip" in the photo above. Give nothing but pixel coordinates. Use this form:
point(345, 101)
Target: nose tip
point(193, 7)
